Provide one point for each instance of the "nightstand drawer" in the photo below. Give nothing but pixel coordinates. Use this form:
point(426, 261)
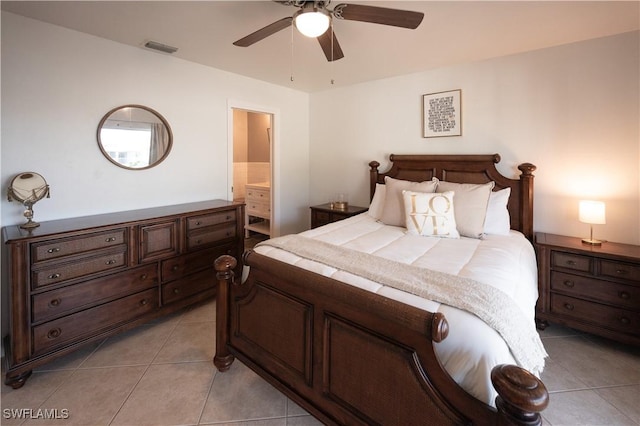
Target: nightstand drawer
point(620, 270)
point(571, 261)
point(621, 320)
point(594, 289)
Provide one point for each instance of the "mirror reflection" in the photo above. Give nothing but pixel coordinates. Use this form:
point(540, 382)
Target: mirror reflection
point(134, 137)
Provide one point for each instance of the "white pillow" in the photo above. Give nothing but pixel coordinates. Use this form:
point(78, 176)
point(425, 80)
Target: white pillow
point(377, 203)
point(498, 221)
point(471, 203)
point(393, 211)
point(430, 214)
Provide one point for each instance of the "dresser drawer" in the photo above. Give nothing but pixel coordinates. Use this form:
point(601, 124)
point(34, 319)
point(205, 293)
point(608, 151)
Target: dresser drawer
point(75, 245)
point(258, 208)
point(55, 303)
point(211, 236)
point(198, 222)
point(620, 270)
point(57, 333)
point(260, 195)
point(591, 288)
point(572, 261)
point(78, 267)
point(617, 319)
point(189, 263)
point(188, 286)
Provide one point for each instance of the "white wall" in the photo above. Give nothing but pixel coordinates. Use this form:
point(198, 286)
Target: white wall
point(571, 110)
point(56, 86)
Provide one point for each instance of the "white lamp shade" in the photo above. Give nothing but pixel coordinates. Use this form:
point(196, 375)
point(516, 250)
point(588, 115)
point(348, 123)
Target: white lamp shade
point(312, 23)
point(592, 212)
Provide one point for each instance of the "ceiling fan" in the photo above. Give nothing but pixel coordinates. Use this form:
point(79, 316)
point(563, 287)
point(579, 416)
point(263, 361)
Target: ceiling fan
point(314, 19)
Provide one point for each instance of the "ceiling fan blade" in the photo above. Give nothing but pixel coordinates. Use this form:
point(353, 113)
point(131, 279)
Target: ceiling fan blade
point(333, 53)
point(378, 15)
point(264, 32)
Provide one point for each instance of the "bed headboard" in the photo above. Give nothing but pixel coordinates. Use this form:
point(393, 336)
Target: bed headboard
point(466, 169)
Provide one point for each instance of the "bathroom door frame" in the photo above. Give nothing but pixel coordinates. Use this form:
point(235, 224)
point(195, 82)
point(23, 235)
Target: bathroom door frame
point(274, 155)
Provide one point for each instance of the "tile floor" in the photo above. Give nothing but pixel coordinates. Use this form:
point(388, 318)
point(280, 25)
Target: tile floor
point(161, 374)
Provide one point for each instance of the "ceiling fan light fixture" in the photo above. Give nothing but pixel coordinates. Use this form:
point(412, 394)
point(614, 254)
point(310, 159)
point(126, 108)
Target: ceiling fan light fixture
point(312, 22)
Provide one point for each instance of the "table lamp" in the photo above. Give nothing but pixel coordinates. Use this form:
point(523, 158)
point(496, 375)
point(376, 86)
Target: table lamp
point(592, 212)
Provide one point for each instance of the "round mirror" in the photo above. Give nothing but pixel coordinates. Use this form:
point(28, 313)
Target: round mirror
point(134, 137)
point(28, 188)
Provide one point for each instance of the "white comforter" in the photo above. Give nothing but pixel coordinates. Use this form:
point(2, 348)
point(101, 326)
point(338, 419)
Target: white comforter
point(472, 348)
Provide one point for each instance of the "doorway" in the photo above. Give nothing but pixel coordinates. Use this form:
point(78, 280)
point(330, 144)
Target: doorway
point(252, 170)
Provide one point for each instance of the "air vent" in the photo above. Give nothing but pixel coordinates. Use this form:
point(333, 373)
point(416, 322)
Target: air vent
point(160, 47)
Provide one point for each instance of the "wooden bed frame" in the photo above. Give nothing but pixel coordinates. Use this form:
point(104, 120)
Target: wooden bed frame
point(349, 356)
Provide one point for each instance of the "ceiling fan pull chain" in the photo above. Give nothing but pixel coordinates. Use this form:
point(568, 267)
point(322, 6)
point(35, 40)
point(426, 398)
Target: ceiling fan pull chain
point(332, 57)
point(291, 52)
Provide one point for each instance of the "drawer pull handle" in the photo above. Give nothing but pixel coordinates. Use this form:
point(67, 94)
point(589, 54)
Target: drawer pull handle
point(54, 276)
point(198, 241)
point(53, 250)
point(110, 239)
point(621, 271)
point(624, 295)
point(111, 262)
point(143, 302)
point(198, 222)
point(228, 217)
point(175, 268)
point(569, 283)
point(625, 320)
point(571, 262)
point(54, 333)
point(568, 306)
point(176, 291)
point(143, 277)
point(54, 302)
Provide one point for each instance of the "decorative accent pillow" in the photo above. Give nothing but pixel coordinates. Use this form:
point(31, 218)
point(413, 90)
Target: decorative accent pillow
point(393, 211)
point(377, 203)
point(471, 203)
point(498, 221)
point(430, 214)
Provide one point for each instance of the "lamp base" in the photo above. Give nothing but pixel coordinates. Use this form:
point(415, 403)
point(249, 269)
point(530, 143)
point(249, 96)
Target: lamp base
point(592, 242)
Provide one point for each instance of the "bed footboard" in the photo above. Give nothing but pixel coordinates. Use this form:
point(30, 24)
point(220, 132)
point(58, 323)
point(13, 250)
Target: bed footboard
point(352, 357)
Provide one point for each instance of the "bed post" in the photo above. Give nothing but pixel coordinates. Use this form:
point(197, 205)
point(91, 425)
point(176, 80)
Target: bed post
point(373, 178)
point(224, 266)
point(521, 396)
point(526, 201)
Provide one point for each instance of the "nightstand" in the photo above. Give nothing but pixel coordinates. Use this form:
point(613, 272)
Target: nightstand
point(590, 288)
point(323, 214)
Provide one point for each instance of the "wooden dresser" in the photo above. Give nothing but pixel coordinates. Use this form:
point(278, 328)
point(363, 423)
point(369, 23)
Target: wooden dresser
point(78, 280)
point(590, 288)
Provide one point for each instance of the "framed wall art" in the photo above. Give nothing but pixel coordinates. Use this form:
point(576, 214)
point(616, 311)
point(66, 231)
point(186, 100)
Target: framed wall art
point(441, 114)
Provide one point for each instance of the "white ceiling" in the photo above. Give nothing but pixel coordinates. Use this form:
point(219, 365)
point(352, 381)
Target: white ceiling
point(452, 32)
